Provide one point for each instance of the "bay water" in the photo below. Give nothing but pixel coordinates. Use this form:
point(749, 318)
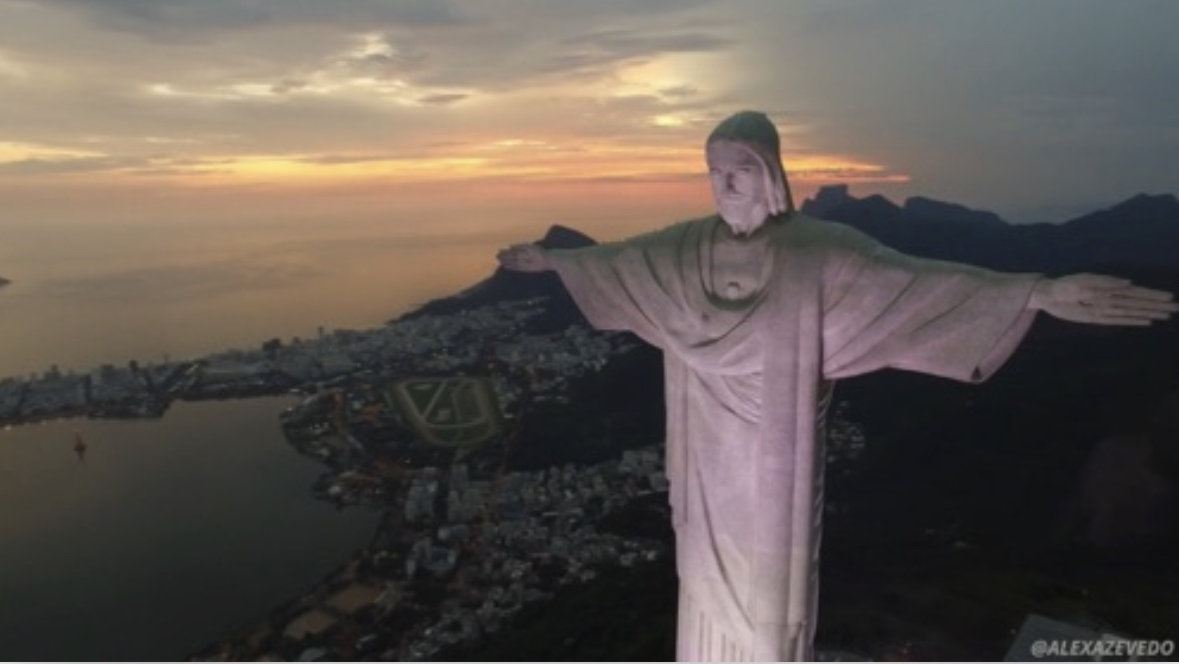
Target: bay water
point(169, 534)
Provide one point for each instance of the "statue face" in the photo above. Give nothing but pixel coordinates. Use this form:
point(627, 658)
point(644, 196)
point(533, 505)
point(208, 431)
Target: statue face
point(739, 185)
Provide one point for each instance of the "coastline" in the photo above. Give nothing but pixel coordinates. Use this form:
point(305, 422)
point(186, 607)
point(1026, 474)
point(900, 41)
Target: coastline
point(533, 359)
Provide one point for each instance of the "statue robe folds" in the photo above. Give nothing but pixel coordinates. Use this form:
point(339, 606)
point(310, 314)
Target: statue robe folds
point(747, 383)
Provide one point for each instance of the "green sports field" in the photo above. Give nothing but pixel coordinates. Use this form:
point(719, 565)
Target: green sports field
point(457, 413)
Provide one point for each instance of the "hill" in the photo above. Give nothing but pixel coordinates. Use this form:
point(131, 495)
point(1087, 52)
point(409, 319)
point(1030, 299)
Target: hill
point(504, 285)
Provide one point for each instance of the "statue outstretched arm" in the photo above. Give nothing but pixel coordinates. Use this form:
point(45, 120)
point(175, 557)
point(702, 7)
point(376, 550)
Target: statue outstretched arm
point(1101, 300)
point(524, 258)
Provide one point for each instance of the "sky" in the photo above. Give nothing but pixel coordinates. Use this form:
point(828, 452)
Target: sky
point(252, 111)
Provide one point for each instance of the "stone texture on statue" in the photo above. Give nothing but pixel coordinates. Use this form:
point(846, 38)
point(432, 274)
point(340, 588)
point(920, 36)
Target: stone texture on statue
point(748, 374)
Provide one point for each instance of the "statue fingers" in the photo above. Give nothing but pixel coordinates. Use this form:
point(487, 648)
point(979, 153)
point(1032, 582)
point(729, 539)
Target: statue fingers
point(1091, 315)
point(1144, 306)
point(1152, 294)
point(1104, 314)
point(1124, 321)
point(1122, 316)
point(1133, 297)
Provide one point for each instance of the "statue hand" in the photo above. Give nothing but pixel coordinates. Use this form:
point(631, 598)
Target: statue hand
point(524, 258)
point(1101, 300)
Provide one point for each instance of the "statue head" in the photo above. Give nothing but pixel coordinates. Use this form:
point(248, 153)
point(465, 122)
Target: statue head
point(745, 167)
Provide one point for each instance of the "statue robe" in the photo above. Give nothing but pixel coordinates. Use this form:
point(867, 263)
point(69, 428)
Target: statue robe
point(753, 331)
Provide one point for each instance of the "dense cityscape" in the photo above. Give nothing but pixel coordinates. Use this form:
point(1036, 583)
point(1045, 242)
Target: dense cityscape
point(464, 541)
point(427, 344)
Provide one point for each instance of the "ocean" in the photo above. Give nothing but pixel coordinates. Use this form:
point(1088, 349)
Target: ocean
point(169, 534)
point(165, 536)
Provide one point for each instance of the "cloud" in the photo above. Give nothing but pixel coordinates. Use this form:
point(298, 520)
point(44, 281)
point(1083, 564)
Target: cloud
point(292, 84)
point(1006, 97)
point(61, 165)
point(179, 282)
point(329, 159)
point(843, 19)
point(844, 175)
point(288, 85)
point(680, 91)
point(442, 98)
point(178, 171)
point(40, 160)
point(645, 178)
point(200, 19)
point(585, 56)
point(631, 42)
point(383, 54)
point(11, 68)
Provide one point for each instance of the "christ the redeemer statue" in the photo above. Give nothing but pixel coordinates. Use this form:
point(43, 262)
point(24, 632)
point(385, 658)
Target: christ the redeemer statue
point(757, 309)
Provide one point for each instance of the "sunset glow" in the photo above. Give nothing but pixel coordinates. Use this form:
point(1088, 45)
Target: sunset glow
point(506, 97)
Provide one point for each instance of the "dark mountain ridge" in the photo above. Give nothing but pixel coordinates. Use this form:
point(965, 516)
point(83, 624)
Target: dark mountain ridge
point(1142, 231)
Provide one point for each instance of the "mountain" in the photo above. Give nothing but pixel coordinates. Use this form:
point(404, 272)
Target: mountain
point(1141, 232)
point(504, 285)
